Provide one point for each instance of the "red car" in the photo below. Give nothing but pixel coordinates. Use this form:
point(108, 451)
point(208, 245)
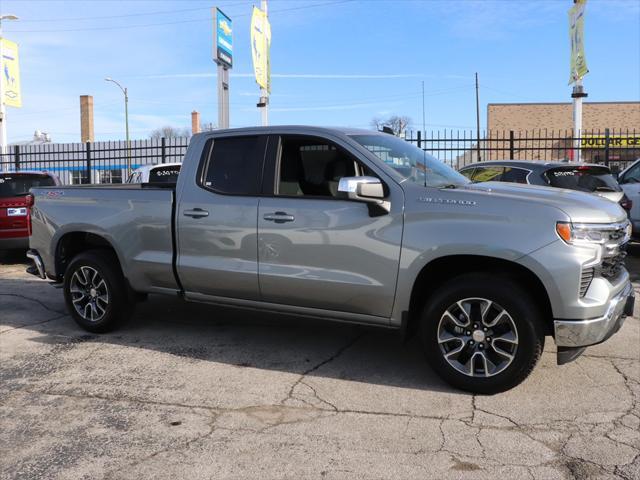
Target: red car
point(15, 206)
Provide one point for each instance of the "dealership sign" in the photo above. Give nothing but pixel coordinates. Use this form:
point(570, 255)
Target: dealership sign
point(222, 39)
point(10, 75)
point(615, 141)
point(576, 35)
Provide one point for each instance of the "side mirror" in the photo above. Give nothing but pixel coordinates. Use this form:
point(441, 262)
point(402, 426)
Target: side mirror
point(364, 189)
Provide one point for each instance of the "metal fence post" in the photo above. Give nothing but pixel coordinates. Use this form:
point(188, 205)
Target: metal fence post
point(607, 141)
point(512, 152)
point(163, 150)
point(88, 151)
point(16, 156)
point(419, 139)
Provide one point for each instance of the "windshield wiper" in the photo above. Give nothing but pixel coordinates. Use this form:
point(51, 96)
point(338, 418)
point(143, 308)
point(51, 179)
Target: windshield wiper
point(605, 189)
point(449, 185)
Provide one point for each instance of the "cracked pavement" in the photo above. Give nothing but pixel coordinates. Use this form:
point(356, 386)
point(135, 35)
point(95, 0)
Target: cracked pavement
point(202, 392)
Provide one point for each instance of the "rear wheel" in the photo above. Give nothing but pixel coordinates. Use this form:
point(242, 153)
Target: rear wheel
point(482, 333)
point(95, 291)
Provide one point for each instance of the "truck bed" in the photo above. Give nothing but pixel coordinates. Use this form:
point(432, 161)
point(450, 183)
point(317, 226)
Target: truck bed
point(136, 219)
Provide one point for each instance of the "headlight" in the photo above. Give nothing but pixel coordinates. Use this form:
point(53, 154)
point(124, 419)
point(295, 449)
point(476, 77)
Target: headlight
point(594, 233)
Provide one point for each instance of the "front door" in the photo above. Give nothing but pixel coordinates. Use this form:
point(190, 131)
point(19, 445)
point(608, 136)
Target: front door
point(318, 250)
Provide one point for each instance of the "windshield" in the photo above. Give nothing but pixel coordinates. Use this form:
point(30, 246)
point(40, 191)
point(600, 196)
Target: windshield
point(584, 178)
point(12, 185)
point(410, 162)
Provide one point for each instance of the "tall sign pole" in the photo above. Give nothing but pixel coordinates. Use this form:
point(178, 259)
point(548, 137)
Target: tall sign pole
point(10, 94)
point(260, 53)
point(223, 56)
point(478, 117)
point(578, 71)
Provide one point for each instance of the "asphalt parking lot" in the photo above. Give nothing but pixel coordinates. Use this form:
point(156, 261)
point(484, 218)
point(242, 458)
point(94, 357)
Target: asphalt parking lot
point(192, 391)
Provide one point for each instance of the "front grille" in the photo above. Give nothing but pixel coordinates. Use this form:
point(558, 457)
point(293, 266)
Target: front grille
point(612, 266)
point(585, 280)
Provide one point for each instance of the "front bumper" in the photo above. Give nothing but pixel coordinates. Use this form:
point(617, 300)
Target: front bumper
point(572, 334)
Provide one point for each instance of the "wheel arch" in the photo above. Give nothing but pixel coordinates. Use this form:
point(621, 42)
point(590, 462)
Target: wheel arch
point(443, 269)
point(72, 243)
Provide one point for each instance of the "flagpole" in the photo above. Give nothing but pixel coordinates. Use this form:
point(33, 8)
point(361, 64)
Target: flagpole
point(264, 93)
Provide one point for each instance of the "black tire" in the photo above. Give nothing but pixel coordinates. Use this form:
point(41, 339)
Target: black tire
point(505, 294)
point(118, 307)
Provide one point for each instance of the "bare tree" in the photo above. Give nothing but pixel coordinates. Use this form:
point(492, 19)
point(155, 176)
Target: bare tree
point(397, 123)
point(169, 132)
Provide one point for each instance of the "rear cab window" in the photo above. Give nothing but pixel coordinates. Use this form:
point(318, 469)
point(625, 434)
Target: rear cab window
point(586, 178)
point(168, 174)
point(16, 184)
point(233, 165)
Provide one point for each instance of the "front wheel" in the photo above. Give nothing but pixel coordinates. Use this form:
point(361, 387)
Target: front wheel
point(482, 333)
point(95, 291)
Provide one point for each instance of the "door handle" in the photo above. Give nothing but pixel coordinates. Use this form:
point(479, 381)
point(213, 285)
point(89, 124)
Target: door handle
point(279, 217)
point(196, 213)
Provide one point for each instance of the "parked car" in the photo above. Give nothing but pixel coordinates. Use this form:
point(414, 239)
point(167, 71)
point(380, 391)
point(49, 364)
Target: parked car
point(590, 178)
point(629, 180)
point(15, 205)
point(354, 226)
point(161, 173)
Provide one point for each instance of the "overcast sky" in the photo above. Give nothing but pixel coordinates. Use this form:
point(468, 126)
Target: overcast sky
point(333, 62)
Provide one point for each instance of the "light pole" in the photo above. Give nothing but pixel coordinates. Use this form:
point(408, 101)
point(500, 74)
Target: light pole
point(3, 111)
point(126, 121)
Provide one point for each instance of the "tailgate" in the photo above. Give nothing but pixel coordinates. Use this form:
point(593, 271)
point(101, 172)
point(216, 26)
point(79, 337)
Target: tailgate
point(14, 221)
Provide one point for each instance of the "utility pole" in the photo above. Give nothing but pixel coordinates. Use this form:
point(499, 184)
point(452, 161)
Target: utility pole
point(126, 121)
point(3, 110)
point(263, 104)
point(478, 118)
point(424, 118)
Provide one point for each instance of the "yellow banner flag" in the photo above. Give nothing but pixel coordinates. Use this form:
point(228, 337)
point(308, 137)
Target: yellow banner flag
point(10, 75)
point(576, 34)
point(260, 45)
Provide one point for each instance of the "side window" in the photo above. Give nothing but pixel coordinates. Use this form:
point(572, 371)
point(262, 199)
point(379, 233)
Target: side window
point(468, 172)
point(234, 164)
point(515, 175)
point(632, 176)
point(312, 167)
point(488, 174)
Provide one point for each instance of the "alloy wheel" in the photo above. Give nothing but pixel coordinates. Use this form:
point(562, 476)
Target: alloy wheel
point(477, 337)
point(89, 294)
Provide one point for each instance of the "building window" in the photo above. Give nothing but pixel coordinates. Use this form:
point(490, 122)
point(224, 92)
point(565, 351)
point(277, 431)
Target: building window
point(110, 176)
point(78, 177)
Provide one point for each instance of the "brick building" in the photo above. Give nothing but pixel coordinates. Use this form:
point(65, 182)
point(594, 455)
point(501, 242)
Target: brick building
point(614, 126)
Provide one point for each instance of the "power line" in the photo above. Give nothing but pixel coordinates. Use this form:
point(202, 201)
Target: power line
point(120, 27)
point(141, 14)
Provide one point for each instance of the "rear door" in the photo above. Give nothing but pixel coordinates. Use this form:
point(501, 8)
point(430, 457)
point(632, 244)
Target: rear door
point(216, 220)
point(317, 249)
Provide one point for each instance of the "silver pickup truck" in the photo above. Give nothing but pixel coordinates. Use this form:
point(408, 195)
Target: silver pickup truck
point(354, 226)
